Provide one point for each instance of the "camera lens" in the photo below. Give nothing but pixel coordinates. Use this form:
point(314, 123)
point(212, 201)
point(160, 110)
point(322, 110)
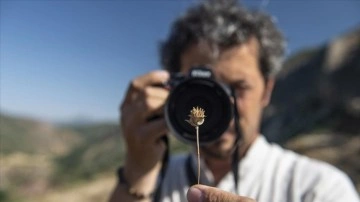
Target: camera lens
point(204, 93)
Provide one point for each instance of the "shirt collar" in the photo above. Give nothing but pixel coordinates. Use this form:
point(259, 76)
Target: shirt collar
point(255, 157)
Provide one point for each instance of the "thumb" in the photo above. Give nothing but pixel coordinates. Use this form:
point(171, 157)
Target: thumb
point(202, 193)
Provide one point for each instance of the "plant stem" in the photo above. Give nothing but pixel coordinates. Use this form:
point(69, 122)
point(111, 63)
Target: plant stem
point(198, 152)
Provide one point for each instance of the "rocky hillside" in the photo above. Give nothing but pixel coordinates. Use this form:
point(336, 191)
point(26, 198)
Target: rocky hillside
point(31, 136)
point(38, 158)
point(318, 88)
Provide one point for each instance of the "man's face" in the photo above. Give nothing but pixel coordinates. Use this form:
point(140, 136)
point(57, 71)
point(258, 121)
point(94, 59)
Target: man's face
point(239, 68)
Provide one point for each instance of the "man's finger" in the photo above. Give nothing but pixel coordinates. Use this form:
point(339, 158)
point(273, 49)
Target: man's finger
point(153, 101)
point(139, 84)
point(202, 193)
point(152, 78)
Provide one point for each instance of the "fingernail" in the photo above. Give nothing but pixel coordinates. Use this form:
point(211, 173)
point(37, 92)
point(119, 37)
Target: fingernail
point(194, 195)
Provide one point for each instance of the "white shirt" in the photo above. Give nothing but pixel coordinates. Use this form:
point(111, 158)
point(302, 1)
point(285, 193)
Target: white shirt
point(268, 173)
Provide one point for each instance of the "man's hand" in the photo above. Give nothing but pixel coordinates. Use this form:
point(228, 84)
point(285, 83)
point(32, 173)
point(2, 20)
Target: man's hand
point(202, 193)
point(144, 99)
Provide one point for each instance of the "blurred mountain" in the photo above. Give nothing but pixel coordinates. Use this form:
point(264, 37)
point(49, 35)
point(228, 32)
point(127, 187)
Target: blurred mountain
point(31, 136)
point(101, 151)
point(39, 157)
point(318, 88)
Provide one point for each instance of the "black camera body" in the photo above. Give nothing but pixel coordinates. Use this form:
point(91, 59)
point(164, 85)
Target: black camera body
point(198, 89)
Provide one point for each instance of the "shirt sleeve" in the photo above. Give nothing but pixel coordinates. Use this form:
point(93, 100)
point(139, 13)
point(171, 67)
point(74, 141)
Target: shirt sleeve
point(333, 186)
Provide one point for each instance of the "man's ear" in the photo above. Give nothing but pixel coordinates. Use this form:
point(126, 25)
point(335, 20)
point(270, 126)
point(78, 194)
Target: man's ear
point(269, 86)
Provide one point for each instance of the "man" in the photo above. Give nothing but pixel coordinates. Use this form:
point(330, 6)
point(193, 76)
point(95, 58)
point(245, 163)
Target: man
point(244, 50)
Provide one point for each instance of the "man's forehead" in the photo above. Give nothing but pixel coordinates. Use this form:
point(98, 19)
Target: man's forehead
point(204, 53)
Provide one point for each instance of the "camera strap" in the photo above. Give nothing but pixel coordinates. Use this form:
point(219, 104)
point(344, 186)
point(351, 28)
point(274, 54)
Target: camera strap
point(165, 162)
point(236, 157)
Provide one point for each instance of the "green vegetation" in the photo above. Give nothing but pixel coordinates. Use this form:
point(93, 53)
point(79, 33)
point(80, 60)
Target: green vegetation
point(3, 196)
point(15, 133)
point(34, 137)
point(101, 151)
point(37, 154)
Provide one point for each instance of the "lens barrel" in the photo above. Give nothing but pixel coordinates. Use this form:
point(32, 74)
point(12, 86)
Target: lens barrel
point(201, 91)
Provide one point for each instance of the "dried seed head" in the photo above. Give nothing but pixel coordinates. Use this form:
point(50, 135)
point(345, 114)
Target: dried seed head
point(197, 116)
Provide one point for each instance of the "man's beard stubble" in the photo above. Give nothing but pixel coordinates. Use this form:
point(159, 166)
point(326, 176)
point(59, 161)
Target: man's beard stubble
point(216, 154)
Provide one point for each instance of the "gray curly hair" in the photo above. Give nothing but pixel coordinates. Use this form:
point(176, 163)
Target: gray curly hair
point(224, 23)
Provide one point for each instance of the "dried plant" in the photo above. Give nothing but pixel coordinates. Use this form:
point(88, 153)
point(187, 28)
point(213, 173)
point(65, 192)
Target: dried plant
point(197, 118)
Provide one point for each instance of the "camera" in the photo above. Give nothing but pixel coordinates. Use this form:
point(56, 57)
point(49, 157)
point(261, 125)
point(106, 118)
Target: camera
point(198, 89)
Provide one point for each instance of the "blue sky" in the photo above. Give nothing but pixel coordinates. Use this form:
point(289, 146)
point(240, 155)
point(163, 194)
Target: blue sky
point(69, 59)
